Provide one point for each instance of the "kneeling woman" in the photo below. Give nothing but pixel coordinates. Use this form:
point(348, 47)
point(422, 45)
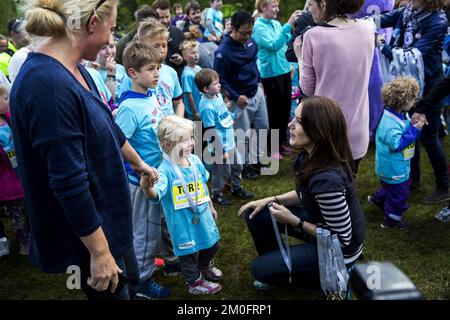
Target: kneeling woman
point(325, 193)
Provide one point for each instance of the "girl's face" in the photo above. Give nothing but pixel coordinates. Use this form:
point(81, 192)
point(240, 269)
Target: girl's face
point(184, 148)
point(270, 11)
point(298, 137)
point(317, 10)
point(192, 56)
point(4, 103)
point(108, 51)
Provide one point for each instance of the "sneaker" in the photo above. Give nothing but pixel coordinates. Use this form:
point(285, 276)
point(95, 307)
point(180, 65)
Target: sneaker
point(444, 215)
point(258, 285)
point(392, 224)
point(212, 273)
point(172, 270)
point(371, 200)
point(221, 200)
point(4, 247)
point(242, 194)
point(150, 289)
point(436, 197)
point(202, 286)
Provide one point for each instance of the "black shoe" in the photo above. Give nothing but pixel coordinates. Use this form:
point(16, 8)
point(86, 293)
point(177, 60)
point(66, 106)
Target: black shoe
point(392, 224)
point(436, 197)
point(249, 173)
point(241, 193)
point(221, 200)
point(372, 200)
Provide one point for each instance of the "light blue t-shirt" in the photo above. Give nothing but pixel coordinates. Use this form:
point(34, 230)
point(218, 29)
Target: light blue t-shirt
point(188, 84)
point(216, 18)
point(168, 88)
point(121, 74)
point(214, 113)
point(105, 94)
point(187, 236)
point(138, 117)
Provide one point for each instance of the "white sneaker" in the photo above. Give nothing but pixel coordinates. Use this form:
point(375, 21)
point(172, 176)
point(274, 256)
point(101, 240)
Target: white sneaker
point(202, 286)
point(443, 215)
point(4, 247)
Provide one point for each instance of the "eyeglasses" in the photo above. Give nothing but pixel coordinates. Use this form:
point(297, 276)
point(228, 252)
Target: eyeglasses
point(245, 34)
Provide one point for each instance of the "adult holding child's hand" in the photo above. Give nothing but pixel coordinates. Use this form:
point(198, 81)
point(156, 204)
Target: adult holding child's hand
point(71, 153)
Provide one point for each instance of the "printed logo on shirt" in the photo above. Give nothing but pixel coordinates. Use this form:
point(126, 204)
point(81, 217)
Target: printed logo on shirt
point(180, 200)
point(187, 245)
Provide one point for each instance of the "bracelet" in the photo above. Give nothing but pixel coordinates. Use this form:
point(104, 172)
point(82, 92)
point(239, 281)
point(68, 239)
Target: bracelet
point(300, 225)
point(276, 200)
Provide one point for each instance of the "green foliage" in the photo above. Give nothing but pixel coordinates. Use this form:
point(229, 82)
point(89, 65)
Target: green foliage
point(7, 12)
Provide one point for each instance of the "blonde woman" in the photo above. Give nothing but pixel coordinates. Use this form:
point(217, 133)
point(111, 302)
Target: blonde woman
point(70, 151)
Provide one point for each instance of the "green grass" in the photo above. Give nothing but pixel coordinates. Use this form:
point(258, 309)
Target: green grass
point(422, 252)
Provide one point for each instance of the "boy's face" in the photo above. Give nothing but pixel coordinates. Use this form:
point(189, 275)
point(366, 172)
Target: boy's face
point(158, 42)
point(147, 77)
point(4, 104)
point(191, 56)
point(214, 87)
point(217, 4)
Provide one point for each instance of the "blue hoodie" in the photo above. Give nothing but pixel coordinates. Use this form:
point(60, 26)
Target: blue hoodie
point(236, 65)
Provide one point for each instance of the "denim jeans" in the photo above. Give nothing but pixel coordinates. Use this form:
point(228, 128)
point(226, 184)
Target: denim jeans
point(269, 267)
point(128, 264)
point(429, 138)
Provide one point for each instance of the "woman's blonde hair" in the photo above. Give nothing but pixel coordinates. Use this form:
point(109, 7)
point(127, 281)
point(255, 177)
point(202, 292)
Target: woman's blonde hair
point(172, 130)
point(260, 4)
point(400, 91)
point(58, 18)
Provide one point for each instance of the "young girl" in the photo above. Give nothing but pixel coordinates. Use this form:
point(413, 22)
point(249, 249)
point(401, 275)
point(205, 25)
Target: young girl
point(11, 193)
point(188, 209)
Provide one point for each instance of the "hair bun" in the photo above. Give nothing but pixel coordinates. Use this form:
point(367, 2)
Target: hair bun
point(45, 18)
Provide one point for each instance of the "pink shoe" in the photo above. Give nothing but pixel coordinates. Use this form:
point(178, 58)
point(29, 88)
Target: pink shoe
point(212, 273)
point(201, 286)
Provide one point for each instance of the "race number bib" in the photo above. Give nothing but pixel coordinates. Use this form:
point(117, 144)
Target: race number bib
point(180, 200)
point(12, 158)
point(226, 120)
point(408, 153)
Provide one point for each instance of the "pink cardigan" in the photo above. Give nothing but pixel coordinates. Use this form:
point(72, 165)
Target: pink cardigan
point(336, 64)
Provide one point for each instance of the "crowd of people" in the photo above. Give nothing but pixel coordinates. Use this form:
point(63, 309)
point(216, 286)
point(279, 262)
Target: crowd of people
point(98, 159)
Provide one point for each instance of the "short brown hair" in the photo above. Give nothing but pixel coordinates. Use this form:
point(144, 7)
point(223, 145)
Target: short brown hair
point(161, 4)
point(341, 8)
point(144, 13)
point(204, 78)
point(152, 29)
point(138, 55)
point(400, 91)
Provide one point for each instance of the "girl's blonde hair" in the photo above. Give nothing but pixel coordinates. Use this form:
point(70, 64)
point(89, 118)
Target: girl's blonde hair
point(172, 130)
point(58, 18)
point(400, 91)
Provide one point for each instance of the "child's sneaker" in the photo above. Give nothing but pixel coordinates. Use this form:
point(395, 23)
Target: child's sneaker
point(150, 289)
point(242, 193)
point(202, 286)
point(392, 224)
point(258, 285)
point(172, 270)
point(372, 200)
point(212, 273)
point(221, 200)
point(4, 247)
point(444, 215)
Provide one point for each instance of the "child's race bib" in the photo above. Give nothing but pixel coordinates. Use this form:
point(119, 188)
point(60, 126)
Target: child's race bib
point(180, 200)
point(12, 158)
point(226, 120)
point(408, 153)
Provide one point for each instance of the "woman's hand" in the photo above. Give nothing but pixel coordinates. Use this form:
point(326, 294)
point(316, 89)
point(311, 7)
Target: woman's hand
point(103, 271)
point(283, 214)
point(298, 47)
point(294, 17)
point(148, 173)
point(256, 206)
point(416, 117)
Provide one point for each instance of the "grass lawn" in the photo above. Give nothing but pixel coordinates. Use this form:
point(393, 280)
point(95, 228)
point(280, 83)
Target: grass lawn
point(422, 252)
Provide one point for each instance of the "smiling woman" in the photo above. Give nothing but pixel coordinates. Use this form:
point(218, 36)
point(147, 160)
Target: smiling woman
point(62, 167)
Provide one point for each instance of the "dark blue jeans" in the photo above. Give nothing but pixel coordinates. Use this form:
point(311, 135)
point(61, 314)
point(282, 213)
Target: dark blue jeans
point(128, 264)
point(430, 141)
point(269, 267)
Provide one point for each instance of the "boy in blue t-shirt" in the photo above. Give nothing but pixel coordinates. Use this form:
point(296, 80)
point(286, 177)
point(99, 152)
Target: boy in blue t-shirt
point(218, 123)
point(138, 116)
point(395, 140)
point(189, 50)
point(214, 19)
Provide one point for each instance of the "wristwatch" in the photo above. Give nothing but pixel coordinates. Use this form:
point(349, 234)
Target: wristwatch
point(300, 225)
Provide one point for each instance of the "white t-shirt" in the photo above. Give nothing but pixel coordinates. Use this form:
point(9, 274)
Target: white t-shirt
point(16, 62)
point(4, 81)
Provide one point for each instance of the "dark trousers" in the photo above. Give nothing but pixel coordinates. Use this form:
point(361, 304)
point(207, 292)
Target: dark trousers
point(191, 264)
point(429, 139)
point(278, 95)
point(128, 264)
point(395, 199)
point(269, 267)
